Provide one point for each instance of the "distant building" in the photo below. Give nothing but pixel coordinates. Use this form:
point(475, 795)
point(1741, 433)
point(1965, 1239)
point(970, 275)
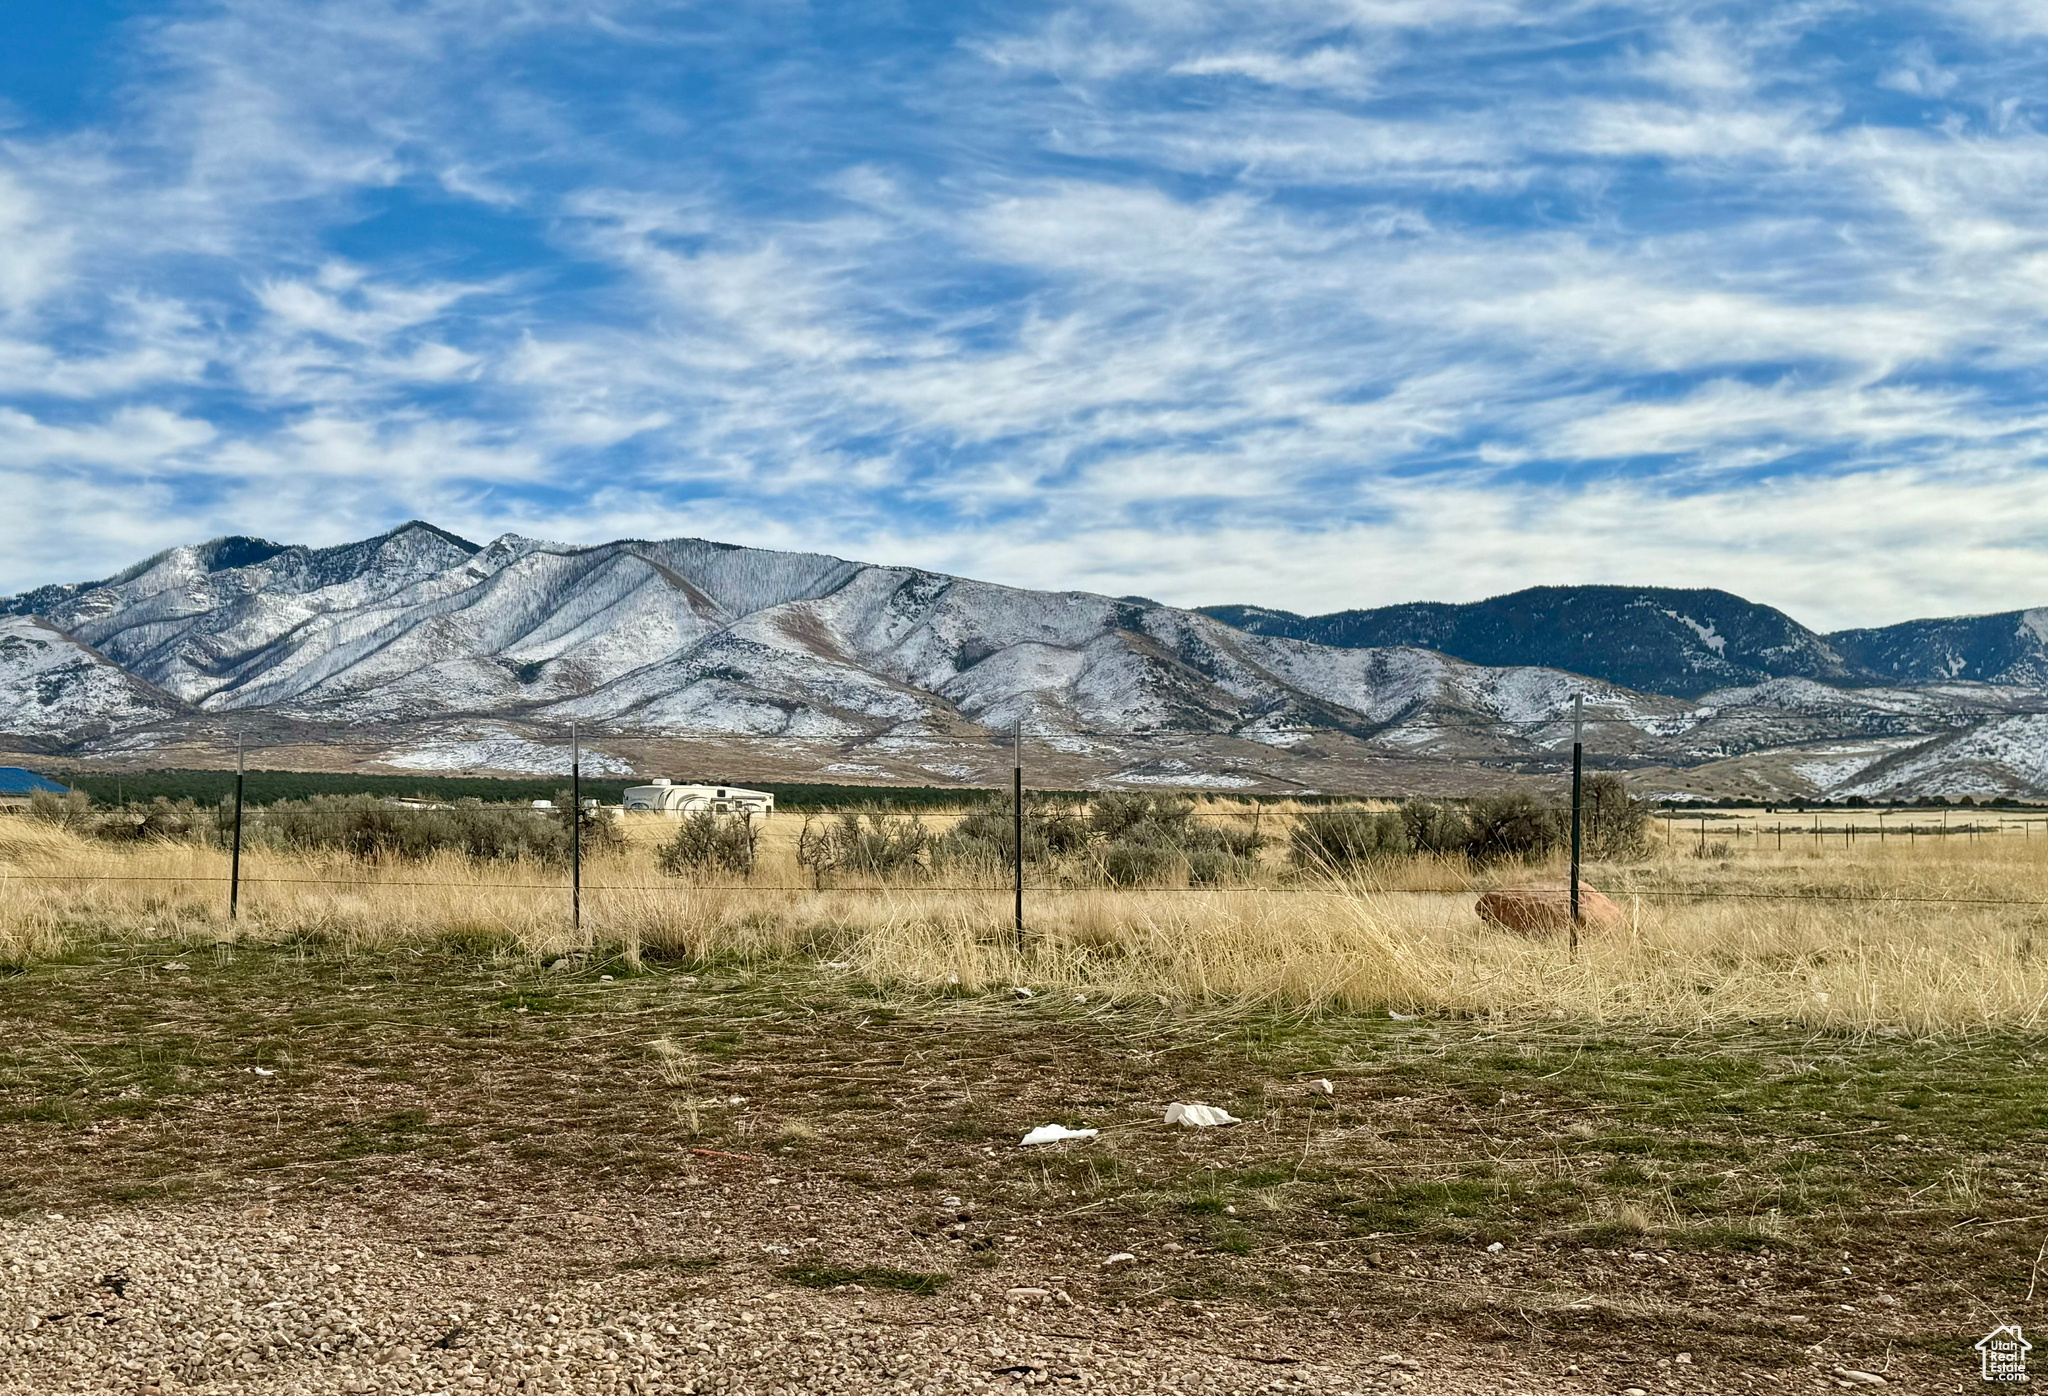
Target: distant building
point(675, 801)
point(17, 784)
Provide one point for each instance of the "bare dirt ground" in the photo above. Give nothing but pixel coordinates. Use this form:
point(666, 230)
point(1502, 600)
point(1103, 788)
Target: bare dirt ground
point(448, 1169)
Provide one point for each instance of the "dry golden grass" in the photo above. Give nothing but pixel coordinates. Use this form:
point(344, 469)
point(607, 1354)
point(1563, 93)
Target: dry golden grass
point(1841, 937)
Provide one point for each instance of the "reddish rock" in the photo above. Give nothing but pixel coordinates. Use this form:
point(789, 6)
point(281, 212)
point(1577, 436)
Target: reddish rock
point(1540, 910)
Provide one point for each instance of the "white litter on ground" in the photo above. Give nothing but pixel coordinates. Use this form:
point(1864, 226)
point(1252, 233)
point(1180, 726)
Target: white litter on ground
point(1199, 1116)
point(1402, 1017)
point(1324, 1086)
point(1053, 1134)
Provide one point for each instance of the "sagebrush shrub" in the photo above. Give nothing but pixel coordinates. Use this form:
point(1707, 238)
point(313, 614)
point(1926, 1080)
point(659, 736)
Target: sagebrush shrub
point(1337, 839)
point(706, 840)
point(875, 843)
point(987, 836)
point(364, 826)
point(1515, 826)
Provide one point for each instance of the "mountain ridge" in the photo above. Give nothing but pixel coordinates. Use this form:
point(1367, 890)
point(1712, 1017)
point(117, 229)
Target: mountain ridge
point(1682, 642)
point(2003, 647)
point(418, 646)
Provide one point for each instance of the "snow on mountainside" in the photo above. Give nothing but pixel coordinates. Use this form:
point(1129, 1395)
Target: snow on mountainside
point(51, 686)
point(2009, 648)
point(457, 654)
point(195, 621)
point(691, 637)
point(1656, 639)
point(1991, 759)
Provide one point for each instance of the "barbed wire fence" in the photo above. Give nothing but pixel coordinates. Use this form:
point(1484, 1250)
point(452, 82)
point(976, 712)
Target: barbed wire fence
point(584, 820)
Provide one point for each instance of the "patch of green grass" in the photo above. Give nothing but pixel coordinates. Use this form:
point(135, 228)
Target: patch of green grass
point(54, 1110)
point(1732, 1236)
point(1423, 1205)
point(481, 941)
point(1639, 1144)
point(816, 1276)
point(1267, 1177)
point(1234, 1240)
point(531, 1001)
point(401, 1132)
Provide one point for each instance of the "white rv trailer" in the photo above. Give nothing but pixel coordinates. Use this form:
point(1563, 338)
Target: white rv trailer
point(675, 801)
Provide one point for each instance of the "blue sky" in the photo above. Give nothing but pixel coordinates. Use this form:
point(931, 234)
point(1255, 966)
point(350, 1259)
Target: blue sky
point(1314, 303)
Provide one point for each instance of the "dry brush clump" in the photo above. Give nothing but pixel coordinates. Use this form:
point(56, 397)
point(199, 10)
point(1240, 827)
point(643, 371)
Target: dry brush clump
point(709, 842)
point(1116, 840)
point(1511, 827)
point(1932, 937)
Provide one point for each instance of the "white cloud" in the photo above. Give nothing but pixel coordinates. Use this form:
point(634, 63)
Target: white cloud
point(131, 437)
point(34, 249)
point(1696, 58)
point(1916, 543)
point(1722, 414)
point(1918, 75)
point(2004, 19)
point(1329, 67)
point(340, 305)
point(1316, 303)
point(403, 453)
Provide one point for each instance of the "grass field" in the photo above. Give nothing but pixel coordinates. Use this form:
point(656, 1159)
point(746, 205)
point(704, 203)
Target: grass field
point(1788, 1119)
point(1761, 1199)
point(1931, 935)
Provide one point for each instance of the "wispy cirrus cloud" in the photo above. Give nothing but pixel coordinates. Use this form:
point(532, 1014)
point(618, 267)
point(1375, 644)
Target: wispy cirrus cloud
point(1319, 303)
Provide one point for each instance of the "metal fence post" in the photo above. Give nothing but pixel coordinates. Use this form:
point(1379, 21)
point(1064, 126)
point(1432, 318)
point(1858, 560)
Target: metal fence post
point(1017, 827)
point(1578, 754)
point(235, 859)
point(575, 831)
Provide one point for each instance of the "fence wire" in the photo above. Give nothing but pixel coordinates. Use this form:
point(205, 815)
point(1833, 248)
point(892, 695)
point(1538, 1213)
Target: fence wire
point(1334, 888)
point(268, 831)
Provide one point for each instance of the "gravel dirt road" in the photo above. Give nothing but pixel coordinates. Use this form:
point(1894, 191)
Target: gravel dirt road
point(421, 1293)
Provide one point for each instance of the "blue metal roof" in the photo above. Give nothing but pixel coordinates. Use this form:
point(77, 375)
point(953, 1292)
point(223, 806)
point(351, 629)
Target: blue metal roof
point(14, 780)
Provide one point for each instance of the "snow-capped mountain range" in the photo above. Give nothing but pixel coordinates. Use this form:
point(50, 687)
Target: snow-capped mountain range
point(1683, 642)
point(419, 648)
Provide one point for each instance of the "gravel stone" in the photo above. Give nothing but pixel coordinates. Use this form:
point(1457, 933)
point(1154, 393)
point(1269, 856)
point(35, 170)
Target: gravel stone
point(313, 1297)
